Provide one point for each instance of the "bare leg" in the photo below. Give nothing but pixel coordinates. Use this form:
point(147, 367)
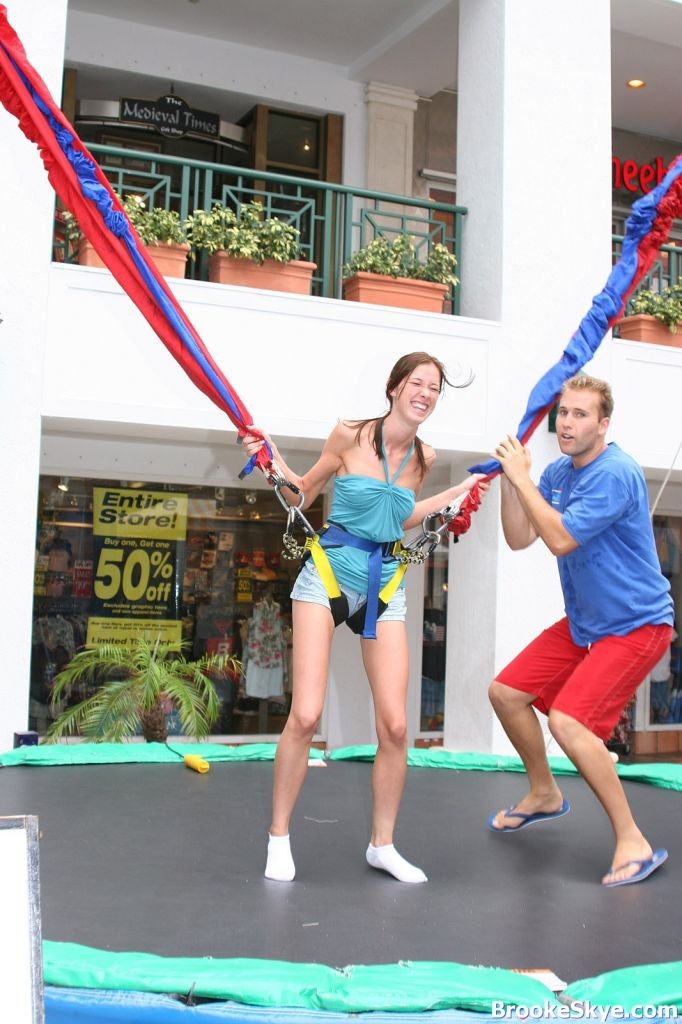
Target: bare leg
point(386, 664)
point(312, 638)
point(592, 759)
point(519, 721)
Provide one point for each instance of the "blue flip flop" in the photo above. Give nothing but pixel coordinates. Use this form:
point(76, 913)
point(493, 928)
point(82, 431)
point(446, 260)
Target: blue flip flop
point(528, 819)
point(646, 867)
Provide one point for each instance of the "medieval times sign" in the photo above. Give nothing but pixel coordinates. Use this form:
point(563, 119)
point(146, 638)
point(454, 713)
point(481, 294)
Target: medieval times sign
point(170, 115)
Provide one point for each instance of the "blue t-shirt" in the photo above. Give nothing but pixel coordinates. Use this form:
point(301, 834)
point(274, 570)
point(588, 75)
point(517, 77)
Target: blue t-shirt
point(612, 583)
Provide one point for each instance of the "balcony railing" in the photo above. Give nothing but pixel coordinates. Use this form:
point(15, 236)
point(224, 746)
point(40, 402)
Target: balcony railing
point(334, 220)
point(665, 272)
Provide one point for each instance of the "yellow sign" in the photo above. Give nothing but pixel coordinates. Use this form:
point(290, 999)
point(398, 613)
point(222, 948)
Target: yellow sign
point(121, 512)
point(126, 631)
point(244, 586)
point(135, 573)
point(137, 539)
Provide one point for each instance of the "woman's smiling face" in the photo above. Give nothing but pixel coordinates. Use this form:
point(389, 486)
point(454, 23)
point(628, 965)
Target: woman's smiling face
point(417, 394)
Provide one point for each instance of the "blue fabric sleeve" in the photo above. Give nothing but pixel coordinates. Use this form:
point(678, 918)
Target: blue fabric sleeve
point(544, 486)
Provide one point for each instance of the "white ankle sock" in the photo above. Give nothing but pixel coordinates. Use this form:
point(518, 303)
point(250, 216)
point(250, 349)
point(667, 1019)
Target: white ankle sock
point(387, 858)
point(280, 865)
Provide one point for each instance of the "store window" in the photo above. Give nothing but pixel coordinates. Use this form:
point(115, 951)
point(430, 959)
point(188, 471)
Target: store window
point(296, 143)
point(664, 705)
point(119, 559)
point(434, 641)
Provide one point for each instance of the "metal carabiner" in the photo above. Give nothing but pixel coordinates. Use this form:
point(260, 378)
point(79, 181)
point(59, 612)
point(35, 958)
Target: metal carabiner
point(286, 505)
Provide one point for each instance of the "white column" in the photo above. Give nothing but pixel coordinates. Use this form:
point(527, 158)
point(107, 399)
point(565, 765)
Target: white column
point(471, 631)
point(27, 211)
point(390, 133)
point(534, 141)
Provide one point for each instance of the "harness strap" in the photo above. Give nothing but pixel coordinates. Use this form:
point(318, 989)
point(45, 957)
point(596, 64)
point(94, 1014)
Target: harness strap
point(356, 621)
point(365, 618)
point(338, 602)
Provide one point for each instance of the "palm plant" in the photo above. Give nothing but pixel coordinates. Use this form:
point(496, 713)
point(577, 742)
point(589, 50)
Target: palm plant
point(137, 682)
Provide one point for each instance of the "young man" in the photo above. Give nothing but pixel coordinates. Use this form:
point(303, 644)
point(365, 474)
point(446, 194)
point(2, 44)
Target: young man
point(591, 510)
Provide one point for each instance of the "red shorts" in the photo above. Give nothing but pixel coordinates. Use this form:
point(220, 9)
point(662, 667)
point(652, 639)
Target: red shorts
point(591, 684)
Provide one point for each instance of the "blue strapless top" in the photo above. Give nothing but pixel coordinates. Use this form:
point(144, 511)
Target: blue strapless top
point(374, 509)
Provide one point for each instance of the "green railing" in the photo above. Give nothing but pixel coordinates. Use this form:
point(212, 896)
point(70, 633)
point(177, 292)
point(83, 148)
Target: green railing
point(665, 272)
point(334, 220)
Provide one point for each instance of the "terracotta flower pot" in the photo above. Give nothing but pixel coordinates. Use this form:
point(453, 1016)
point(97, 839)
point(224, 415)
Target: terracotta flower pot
point(170, 259)
point(87, 257)
point(295, 276)
point(642, 327)
point(426, 296)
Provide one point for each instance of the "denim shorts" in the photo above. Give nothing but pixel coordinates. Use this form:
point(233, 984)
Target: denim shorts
point(309, 587)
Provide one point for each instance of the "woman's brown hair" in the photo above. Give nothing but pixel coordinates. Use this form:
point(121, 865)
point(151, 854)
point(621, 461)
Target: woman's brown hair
point(405, 366)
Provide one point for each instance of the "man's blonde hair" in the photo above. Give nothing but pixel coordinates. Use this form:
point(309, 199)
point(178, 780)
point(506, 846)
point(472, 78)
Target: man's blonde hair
point(583, 382)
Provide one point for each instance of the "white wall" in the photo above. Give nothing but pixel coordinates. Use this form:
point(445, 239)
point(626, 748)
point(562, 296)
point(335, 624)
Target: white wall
point(298, 362)
point(647, 384)
point(27, 204)
point(534, 172)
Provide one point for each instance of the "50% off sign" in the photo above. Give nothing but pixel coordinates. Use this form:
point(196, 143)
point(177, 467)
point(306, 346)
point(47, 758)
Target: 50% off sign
point(134, 574)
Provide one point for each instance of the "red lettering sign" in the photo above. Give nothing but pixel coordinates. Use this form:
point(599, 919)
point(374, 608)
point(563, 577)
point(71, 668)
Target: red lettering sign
point(647, 175)
point(634, 177)
point(630, 175)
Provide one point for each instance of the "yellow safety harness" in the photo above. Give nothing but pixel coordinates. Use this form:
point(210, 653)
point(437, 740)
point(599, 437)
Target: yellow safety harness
point(364, 619)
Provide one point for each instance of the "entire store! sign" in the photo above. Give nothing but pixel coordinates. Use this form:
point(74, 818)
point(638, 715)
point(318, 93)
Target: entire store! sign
point(138, 539)
point(629, 176)
point(170, 115)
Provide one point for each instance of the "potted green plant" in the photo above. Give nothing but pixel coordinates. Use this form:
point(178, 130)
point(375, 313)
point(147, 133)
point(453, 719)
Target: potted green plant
point(77, 244)
point(162, 234)
point(654, 317)
point(132, 689)
point(389, 272)
point(246, 248)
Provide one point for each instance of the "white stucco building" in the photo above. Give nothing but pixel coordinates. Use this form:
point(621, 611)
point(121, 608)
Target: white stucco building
point(89, 393)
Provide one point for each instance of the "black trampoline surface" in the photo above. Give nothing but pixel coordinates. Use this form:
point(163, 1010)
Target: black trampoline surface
point(159, 859)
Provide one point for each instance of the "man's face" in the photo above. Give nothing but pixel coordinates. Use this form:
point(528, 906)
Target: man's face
point(580, 427)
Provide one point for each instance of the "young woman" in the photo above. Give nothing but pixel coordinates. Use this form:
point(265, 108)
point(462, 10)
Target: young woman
point(379, 466)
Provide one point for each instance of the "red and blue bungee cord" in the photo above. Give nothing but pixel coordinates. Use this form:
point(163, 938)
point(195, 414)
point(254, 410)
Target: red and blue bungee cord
point(647, 228)
point(83, 188)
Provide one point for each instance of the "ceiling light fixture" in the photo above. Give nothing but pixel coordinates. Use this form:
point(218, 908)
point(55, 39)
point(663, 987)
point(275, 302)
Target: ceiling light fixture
point(63, 484)
point(636, 83)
